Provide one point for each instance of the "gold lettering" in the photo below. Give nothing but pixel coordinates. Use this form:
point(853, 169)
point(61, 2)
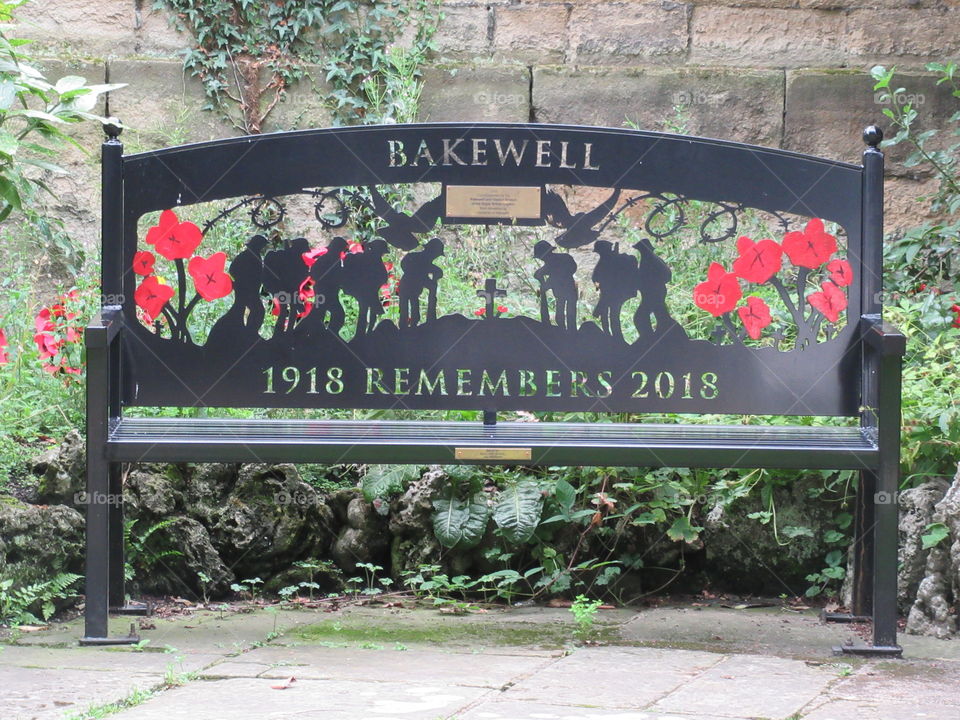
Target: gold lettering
point(587, 149)
point(527, 386)
point(512, 150)
point(479, 151)
point(375, 380)
point(440, 380)
point(563, 157)
point(401, 381)
point(448, 152)
point(423, 152)
point(463, 382)
point(487, 384)
point(397, 156)
point(543, 153)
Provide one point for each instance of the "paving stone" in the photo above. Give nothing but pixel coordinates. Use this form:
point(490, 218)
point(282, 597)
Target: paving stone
point(512, 710)
point(103, 658)
point(874, 710)
point(750, 686)
point(331, 700)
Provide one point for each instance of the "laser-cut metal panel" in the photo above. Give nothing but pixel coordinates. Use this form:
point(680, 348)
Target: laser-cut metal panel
point(257, 272)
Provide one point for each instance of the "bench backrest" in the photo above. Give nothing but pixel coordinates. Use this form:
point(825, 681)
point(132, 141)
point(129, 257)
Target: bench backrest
point(240, 301)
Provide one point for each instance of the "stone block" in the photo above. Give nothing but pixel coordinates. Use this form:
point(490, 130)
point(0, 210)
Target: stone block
point(767, 37)
point(826, 113)
point(628, 33)
point(107, 28)
point(745, 105)
point(906, 37)
point(530, 33)
point(464, 32)
point(492, 94)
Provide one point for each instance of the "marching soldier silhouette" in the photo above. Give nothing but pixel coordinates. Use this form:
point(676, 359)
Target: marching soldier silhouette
point(245, 316)
point(363, 276)
point(654, 275)
point(419, 274)
point(615, 274)
point(327, 274)
point(556, 276)
point(283, 272)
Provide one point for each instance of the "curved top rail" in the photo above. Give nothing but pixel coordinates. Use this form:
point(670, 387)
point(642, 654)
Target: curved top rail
point(494, 153)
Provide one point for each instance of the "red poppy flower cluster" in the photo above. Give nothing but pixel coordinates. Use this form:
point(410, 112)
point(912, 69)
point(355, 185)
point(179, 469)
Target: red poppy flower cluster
point(955, 309)
point(759, 262)
point(389, 290)
point(58, 336)
point(501, 309)
point(177, 241)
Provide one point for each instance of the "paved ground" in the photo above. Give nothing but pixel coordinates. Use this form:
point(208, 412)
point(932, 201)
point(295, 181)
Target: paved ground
point(674, 663)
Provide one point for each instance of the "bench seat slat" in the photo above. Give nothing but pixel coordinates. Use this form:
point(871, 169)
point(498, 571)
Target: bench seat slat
point(342, 441)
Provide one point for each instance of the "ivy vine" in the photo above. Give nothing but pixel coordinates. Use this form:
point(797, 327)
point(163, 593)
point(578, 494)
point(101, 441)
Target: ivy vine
point(249, 53)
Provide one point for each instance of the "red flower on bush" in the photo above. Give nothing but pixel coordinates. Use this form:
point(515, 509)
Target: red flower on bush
point(480, 312)
point(811, 247)
point(831, 301)
point(755, 316)
point(719, 293)
point(143, 262)
point(758, 261)
point(840, 272)
point(955, 309)
point(151, 296)
point(310, 257)
point(4, 344)
point(173, 239)
point(208, 276)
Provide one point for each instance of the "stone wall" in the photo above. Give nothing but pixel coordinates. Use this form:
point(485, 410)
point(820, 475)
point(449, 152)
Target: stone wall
point(780, 73)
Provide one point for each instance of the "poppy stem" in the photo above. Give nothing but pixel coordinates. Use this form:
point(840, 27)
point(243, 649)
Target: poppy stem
point(171, 321)
point(182, 288)
point(731, 329)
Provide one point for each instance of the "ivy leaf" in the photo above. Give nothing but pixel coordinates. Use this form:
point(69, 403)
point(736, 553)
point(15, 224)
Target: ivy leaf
point(517, 512)
point(936, 533)
point(792, 531)
point(382, 481)
point(683, 530)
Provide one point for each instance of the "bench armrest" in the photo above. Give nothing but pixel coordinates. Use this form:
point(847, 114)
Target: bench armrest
point(882, 336)
point(102, 333)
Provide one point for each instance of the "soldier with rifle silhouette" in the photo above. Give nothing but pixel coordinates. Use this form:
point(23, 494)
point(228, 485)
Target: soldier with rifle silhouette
point(419, 273)
point(556, 276)
point(616, 276)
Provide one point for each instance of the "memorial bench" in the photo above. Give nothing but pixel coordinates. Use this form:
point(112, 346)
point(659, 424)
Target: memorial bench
point(788, 324)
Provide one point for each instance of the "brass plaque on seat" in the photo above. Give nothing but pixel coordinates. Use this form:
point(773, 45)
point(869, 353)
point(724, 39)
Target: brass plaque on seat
point(492, 202)
point(492, 453)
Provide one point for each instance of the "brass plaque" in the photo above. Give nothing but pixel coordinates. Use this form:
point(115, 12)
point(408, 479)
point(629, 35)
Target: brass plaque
point(509, 202)
point(492, 453)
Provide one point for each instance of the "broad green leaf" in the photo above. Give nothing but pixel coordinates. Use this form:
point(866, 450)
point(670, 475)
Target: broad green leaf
point(449, 517)
point(475, 525)
point(683, 530)
point(936, 533)
point(69, 83)
point(8, 143)
point(792, 531)
point(565, 494)
point(517, 512)
point(8, 94)
point(382, 481)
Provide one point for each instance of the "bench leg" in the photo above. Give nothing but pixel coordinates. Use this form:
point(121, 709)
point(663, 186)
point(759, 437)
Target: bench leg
point(861, 605)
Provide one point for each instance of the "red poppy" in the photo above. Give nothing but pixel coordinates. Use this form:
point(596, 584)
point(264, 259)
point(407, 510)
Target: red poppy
point(501, 308)
point(388, 266)
point(151, 296)
point(955, 309)
point(4, 358)
point(42, 322)
point(480, 312)
point(840, 272)
point(173, 239)
point(143, 262)
point(831, 301)
point(275, 310)
point(309, 258)
point(755, 316)
point(719, 293)
point(354, 247)
point(307, 296)
point(810, 248)
point(208, 276)
point(47, 345)
point(758, 261)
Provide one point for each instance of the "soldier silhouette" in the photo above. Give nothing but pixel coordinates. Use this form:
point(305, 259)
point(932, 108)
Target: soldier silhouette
point(245, 316)
point(327, 274)
point(654, 276)
point(363, 276)
point(419, 274)
point(615, 274)
point(556, 276)
point(283, 272)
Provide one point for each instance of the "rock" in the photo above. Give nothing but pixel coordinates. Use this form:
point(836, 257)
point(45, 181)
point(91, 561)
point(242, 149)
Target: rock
point(917, 506)
point(38, 542)
point(62, 472)
point(411, 526)
point(180, 574)
point(363, 540)
point(935, 610)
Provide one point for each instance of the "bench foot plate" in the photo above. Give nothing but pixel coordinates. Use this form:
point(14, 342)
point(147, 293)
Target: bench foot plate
point(829, 617)
point(881, 651)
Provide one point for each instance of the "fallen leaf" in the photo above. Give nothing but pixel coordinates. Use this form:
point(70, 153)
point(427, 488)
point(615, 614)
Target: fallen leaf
point(286, 685)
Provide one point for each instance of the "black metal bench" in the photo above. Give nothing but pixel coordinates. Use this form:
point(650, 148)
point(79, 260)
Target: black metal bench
point(808, 341)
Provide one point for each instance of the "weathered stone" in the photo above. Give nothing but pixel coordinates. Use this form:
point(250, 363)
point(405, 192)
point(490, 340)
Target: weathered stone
point(827, 111)
point(741, 105)
point(150, 494)
point(363, 540)
point(180, 574)
point(907, 37)
point(493, 94)
point(464, 32)
point(938, 596)
point(916, 513)
point(106, 28)
point(628, 33)
point(766, 37)
point(39, 541)
point(903, 208)
point(411, 523)
point(62, 470)
point(530, 33)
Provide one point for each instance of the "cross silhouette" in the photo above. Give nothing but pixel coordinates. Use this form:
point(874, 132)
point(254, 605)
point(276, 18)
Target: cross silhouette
point(490, 292)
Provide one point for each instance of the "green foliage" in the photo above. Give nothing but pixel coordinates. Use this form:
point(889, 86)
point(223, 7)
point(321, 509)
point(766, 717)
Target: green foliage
point(19, 605)
point(33, 115)
point(460, 523)
point(517, 511)
point(249, 54)
point(146, 548)
point(936, 533)
point(584, 613)
point(384, 481)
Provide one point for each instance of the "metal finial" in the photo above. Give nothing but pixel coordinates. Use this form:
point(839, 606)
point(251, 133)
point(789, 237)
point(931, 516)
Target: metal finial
point(112, 128)
point(872, 136)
